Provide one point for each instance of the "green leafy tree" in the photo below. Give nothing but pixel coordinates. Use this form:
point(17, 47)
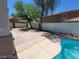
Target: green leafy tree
point(33, 11)
point(45, 6)
point(19, 6)
point(27, 11)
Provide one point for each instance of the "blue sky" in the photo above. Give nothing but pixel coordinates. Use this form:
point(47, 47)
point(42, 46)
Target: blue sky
point(11, 3)
point(64, 5)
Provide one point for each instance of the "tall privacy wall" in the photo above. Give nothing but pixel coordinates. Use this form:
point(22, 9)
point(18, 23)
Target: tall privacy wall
point(64, 22)
point(71, 28)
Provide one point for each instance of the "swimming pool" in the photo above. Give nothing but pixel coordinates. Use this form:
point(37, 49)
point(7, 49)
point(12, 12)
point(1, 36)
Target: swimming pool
point(69, 49)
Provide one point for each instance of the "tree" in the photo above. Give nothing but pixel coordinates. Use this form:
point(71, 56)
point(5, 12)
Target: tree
point(33, 11)
point(19, 6)
point(45, 6)
point(27, 11)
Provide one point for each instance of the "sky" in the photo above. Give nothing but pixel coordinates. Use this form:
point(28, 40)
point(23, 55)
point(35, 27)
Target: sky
point(64, 5)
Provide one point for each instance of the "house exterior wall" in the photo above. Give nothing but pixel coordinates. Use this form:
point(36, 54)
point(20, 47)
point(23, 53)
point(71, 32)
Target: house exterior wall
point(7, 49)
point(4, 22)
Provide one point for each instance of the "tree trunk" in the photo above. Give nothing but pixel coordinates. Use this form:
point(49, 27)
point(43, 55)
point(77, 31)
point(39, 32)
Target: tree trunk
point(40, 23)
point(13, 24)
point(42, 13)
point(26, 24)
point(30, 24)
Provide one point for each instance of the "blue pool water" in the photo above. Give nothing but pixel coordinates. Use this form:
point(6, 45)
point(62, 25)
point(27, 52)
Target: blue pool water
point(69, 50)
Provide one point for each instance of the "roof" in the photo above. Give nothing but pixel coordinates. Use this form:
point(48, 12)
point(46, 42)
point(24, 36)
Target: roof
point(12, 17)
point(71, 11)
point(67, 16)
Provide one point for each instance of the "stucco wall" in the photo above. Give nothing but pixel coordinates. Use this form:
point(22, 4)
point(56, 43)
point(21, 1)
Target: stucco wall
point(4, 22)
point(35, 25)
point(71, 28)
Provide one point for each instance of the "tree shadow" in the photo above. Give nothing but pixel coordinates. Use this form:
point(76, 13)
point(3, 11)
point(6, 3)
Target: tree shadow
point(53, 37)
point(28, 29)
point(24, 29)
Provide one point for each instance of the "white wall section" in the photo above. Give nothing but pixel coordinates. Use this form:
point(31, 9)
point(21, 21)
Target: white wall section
point(71, 28)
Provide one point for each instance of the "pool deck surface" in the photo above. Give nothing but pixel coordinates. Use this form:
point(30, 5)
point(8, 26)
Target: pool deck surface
point(32, 44)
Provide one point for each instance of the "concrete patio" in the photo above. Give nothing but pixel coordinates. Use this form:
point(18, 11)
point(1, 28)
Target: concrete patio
point(32, 44)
